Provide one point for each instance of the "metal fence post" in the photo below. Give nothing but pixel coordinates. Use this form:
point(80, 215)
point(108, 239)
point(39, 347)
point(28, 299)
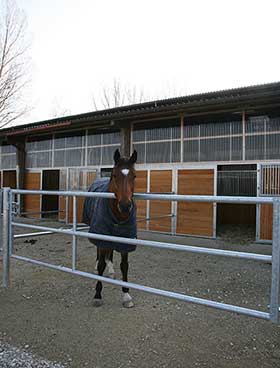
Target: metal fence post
point(6, 237)
point(1, 219)
point(74, 237)
point(1, 201)
point(275, 271)
point(11, 209)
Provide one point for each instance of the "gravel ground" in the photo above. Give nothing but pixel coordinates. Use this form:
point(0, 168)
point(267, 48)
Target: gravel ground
point(53, 312)
point(12, 357)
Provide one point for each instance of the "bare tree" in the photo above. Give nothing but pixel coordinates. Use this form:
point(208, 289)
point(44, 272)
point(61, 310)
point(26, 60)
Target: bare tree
point(117, 95)
point(13, 62)
point(58, 110)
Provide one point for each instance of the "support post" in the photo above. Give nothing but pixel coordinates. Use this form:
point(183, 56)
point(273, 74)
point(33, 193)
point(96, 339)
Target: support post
point(6, 237)
point(74, 237)
point(126, 140)
point(243, 135)
point(11, 235)
point(275, 270)
point(20, 159)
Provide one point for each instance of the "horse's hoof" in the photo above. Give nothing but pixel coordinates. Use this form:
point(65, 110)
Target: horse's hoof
point(97, 302)
point(128, 304)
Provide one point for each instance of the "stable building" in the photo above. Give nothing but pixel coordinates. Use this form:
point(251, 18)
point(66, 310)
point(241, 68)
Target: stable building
point(219, 143)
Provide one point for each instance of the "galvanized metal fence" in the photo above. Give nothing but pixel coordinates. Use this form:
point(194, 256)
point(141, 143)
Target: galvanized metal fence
point(8, 238)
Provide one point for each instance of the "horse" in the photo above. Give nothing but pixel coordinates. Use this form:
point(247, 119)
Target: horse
point(113, 216)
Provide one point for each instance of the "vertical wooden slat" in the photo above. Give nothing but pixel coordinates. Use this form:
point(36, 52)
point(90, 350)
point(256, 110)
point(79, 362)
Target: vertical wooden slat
point(160, 182)
point(266, 222)
point(141, 187)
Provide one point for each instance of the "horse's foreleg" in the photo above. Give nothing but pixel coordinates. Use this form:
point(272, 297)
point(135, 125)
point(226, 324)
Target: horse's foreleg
point(101, 267)
point(127, 299)
point(97, 258)
point(109, 263)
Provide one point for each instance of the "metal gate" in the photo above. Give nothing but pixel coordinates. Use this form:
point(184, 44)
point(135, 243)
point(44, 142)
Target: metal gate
point(9, 223)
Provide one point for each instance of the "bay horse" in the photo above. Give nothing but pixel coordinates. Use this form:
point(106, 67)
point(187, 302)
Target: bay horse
point(113, 216)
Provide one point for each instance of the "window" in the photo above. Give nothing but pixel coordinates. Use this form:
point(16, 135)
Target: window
point(159, 144)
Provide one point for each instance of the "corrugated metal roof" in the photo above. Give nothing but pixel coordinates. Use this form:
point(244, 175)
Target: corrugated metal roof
point(241, 94)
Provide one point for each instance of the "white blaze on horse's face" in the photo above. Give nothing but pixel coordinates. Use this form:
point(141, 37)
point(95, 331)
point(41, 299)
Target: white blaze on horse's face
point(125, 172)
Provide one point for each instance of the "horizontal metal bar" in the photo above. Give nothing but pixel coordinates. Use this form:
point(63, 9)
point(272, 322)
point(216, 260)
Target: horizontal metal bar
point(154, 217)
point(40, 212)
point(155, 244)
point(151, 290)
point(162, 197)
point(28, 235)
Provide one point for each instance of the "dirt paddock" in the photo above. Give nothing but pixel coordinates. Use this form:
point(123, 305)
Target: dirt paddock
point(52, 313)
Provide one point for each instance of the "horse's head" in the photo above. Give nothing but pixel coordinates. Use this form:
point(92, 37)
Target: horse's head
point(122, 180)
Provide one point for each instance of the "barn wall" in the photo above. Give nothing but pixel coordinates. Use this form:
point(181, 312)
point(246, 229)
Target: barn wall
point(168, 144)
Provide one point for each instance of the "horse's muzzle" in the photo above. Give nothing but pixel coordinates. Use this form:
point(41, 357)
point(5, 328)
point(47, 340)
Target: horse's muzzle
point(125, 206)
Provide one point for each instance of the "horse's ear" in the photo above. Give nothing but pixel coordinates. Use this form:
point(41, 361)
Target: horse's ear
point(133, 158)
point(117, 156)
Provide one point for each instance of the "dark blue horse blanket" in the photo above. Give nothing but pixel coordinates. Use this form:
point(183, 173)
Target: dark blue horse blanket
point(98, 215)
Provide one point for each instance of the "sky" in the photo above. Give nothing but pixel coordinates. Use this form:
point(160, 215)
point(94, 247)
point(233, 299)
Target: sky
point(164, 48)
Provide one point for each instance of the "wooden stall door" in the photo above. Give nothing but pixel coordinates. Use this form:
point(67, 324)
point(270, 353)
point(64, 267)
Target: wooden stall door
point(270, 186)
point(195, 218)
point(160, 182)
point(32, 203)
point(141, 187)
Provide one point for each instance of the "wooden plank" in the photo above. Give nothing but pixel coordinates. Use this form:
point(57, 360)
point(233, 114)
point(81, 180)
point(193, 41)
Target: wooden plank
point(141, 187)
point(62, 199)
point(195, 218)
point(196, 182)
point(32, 203)
point(270, 186)
point(80, 206)
point(266, 221)
point(160, 182)
point(62, 208)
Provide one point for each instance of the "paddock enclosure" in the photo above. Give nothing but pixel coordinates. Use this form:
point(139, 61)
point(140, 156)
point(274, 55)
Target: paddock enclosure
point(223, 143)
point(10, 197)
